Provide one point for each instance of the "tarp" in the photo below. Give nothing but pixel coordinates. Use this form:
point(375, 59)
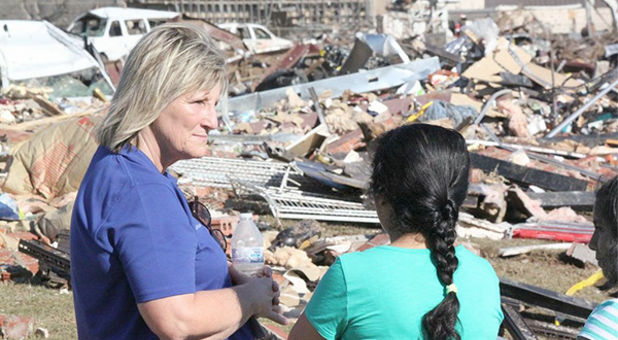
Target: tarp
point(33, 49)
point(53, 162)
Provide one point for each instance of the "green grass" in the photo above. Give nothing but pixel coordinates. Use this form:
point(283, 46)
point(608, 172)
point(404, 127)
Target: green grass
point(51, 308)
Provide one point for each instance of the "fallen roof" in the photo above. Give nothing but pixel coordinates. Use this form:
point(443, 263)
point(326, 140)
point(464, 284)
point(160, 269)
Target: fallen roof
point(33, 49)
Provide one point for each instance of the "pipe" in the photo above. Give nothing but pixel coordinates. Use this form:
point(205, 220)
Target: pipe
point(489, 103)
point(581, 110)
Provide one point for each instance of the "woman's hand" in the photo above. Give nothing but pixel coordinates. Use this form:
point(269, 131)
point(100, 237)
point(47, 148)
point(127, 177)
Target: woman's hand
point(268, 272)
point(236, 276)
point(266, 295)
point(239, 278)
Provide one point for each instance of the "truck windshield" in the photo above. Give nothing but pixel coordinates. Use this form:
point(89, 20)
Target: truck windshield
point(91, 26)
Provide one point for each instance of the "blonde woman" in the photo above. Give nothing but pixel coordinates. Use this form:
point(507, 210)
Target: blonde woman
point(142, 267)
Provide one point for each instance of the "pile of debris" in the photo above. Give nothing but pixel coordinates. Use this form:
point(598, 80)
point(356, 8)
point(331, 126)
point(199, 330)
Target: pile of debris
point(296, 143)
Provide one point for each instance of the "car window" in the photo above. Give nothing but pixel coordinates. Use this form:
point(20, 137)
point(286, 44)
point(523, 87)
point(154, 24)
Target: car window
point(156, 22)
point(244, 33)
point(114, 29)
point(78, 27)
point(90, 26)
point(137, 26)
point(261, 34)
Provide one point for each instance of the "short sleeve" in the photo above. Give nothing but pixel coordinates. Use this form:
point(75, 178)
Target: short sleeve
point(491, 298)
point(494, 292)
point(154, 241)
point(327, 309)
point(602, 324)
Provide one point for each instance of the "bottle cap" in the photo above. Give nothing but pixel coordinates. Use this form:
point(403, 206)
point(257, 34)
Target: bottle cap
point(246, 216)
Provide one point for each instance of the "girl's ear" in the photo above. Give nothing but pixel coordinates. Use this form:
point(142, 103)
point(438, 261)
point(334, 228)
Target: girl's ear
point(379, 199)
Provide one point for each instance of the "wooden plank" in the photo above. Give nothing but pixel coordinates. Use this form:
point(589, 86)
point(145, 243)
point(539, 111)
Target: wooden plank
point(583, 200)
point(544, 298)
point(514, 323)
point(587, 140)
point(544, 179)
point(542, 76)
point(34, 124)
point(512, 251)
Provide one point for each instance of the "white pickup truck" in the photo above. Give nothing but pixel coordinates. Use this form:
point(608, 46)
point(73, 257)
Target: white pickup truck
point(114, 31)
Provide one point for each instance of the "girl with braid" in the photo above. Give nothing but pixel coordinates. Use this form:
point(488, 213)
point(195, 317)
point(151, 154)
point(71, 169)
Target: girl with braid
point(421, 286)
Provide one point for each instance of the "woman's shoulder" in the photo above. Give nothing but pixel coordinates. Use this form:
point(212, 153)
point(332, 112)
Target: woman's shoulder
point(377, 256)
point(114, 177)
point(463, 251)
point(611, 304)
point(130, 167)
point(469, 259)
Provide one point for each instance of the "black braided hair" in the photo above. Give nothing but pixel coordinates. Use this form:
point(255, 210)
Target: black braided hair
point(422, 171)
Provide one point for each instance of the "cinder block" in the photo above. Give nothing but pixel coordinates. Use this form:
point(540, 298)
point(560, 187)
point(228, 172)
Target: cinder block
point(346, 143)
point(17, 266)
point(16, 327)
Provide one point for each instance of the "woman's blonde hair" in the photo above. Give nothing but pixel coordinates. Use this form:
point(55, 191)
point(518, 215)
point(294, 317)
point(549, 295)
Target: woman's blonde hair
point(171, 60)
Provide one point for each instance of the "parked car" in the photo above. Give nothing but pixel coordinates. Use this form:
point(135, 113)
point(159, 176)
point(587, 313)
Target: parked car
point(257, 38)
point(114, 31)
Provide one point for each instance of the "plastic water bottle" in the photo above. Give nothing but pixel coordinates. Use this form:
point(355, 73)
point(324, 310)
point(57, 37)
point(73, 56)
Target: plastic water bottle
point(247, 247)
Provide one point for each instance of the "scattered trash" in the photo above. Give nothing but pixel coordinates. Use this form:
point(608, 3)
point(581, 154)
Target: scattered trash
point(539, 112)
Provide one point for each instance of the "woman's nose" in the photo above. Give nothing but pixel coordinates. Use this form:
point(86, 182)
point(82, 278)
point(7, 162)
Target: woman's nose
point(210, 120)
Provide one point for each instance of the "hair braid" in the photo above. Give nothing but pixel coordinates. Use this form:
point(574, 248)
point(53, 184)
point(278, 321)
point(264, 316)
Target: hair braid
point(439, 323)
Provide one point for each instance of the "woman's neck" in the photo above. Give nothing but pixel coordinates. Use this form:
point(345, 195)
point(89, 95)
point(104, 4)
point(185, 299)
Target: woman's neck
point(408, 240)
point(147, 143)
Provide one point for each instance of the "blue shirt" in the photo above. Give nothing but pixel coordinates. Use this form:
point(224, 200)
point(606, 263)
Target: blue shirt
point(384, 292)
point(133, 240)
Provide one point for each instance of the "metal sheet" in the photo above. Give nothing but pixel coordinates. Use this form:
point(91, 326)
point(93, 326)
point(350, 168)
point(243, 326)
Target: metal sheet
point(216, 172)
point(286, 62)
point(293, 204)
point(372, 80)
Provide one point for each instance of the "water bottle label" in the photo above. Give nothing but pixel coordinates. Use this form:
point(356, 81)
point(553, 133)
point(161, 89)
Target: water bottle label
point(248, 255)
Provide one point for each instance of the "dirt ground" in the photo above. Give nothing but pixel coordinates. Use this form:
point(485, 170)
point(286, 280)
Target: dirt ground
point(547, 269)
point(551, 270)
point(52, 309)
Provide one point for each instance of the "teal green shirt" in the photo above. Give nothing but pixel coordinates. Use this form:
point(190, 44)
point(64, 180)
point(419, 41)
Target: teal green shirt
point(602, 324)
point(383, 293)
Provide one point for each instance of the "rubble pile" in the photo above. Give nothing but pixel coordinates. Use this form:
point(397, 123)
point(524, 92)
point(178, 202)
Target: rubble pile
point(296, 136)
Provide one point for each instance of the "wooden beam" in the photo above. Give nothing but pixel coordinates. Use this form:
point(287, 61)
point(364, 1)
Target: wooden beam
point(537, 296)
point(582, 200)
point(514, 323)
point(512, 251)
point(526, 175)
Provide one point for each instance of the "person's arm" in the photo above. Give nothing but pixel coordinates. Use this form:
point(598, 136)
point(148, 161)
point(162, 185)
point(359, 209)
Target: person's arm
point(159, 263)
point(326, 314)
point(304, 330)
point(210, 314)
point(601, 322)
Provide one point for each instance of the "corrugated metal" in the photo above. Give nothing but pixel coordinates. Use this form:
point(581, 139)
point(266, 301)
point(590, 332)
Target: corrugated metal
point(538, 3)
